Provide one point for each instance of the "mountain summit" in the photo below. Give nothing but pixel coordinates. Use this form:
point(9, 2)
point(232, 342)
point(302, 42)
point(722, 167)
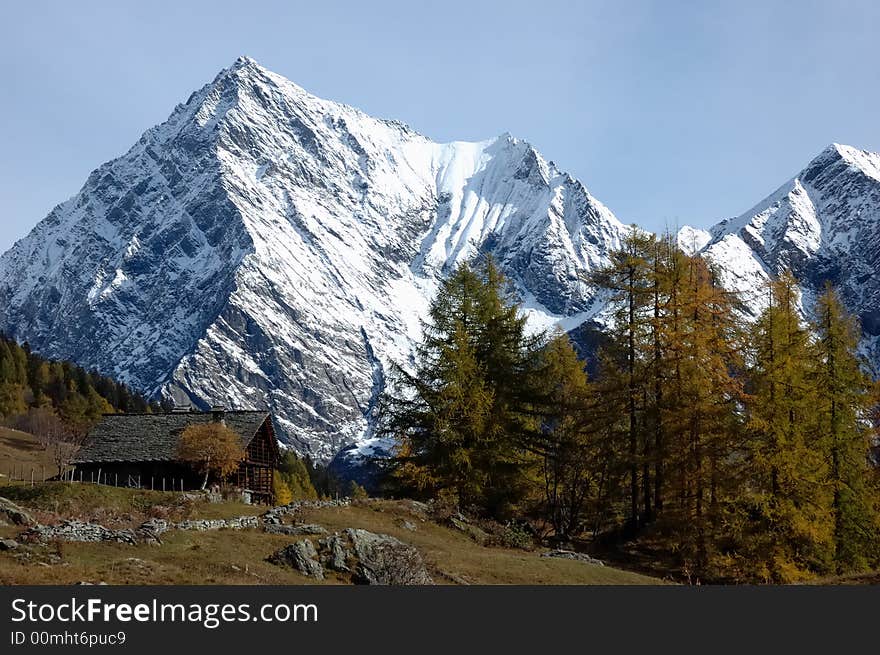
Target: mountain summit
point(267, 248)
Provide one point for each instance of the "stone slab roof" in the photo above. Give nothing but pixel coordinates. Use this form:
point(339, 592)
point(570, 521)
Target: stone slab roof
point(154, 437)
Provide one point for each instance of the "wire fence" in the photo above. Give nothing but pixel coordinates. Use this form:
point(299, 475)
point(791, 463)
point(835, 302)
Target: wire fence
point(38, 474)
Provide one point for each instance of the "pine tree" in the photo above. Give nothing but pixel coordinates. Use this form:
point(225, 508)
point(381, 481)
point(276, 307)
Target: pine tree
point(568, 444)
point(788, 536)
point(844, 407)
point(629, 279)
point(705, 345)
point(460, 417)
point(13, 378)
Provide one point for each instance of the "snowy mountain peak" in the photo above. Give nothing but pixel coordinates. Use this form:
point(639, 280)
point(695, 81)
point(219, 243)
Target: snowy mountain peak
point(862, 160)
point(264, 247)
point(244, 61)
point(823, 224)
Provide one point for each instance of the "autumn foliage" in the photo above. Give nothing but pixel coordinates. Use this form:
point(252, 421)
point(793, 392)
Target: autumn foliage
point(735, 447)
point(212, 448)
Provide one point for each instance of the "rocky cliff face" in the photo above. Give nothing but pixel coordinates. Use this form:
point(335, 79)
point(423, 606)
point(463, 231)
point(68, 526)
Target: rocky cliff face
point(267, 248)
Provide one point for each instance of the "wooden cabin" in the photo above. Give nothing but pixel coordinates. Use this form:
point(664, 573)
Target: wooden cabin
point(140, 450)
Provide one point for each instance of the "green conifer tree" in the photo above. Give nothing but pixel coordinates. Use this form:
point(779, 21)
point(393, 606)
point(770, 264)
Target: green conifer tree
point(789, 535)
point(844, 408)
point(568, 443)
point(460, 417)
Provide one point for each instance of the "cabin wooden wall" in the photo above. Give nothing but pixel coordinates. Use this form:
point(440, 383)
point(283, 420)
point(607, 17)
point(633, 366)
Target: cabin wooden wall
point(261, 460)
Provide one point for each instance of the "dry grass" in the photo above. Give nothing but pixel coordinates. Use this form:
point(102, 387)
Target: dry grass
point(239, 557)
point(218, 557)
point(453, 557)
point(21, 452)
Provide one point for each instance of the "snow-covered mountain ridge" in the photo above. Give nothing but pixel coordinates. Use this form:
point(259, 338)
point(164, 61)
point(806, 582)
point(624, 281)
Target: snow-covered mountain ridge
point(264, 247)
point(823, 224)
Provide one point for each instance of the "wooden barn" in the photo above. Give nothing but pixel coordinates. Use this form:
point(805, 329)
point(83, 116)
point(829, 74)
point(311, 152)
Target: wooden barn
point(139, 450)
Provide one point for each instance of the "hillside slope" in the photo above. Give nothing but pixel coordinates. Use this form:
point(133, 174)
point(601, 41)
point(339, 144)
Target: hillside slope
point(240, 556)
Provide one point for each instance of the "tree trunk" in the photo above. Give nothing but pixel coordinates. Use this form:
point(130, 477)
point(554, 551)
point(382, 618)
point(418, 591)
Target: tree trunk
point(207, 473)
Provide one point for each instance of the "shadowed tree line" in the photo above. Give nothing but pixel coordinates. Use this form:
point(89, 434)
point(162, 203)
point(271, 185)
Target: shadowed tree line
point(58, 401)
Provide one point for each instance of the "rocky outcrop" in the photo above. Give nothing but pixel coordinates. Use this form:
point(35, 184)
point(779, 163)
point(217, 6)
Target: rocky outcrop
point(384, 560)
point(8, 544)
point(570, 554)
point(302, 556)
point(336, 552)
point(15, 514)
point(370, 558)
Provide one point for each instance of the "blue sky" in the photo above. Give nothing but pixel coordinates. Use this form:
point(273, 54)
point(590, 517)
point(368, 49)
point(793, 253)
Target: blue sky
point(669, 112)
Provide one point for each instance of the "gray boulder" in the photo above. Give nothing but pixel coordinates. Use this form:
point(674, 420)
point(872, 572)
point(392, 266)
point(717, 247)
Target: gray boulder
point(149, 531)
point(570, 554)
point(302, 556)
point(374, 559)
point(8, 544)
point(384, 560)
point(336, 552)
point(15, 514)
